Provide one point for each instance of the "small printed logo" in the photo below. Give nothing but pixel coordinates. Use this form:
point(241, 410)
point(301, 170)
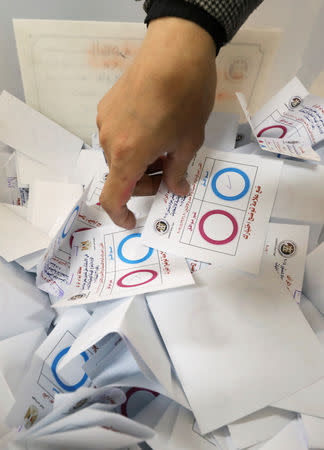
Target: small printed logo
point(85, 245)
point(287, 248)
point(295, 101)
point(30, 417)
point(77, 297)
point(161, 226)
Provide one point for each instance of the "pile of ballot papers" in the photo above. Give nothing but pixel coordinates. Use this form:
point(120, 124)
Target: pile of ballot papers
point(201, 328)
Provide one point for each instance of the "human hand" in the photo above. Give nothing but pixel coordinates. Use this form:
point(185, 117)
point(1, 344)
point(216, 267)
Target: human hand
point(154, 116)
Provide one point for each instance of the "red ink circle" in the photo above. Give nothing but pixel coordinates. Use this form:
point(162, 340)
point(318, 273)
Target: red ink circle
point(223, 213)
point(121, 284)
point(130, 393)
point(283, 128)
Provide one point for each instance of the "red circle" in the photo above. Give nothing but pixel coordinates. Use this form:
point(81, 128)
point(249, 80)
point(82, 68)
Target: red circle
point(282, 127)
point(223, 213)
point(129, 394)
point(76, 231)
point(121, 284)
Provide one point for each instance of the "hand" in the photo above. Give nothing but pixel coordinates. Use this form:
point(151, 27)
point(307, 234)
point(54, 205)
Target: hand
point(154, 116)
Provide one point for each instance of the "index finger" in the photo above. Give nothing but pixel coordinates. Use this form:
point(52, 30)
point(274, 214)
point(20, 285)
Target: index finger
point(117, 191)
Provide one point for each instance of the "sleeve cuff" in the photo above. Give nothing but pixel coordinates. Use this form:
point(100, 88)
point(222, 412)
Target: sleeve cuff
point(184, 10)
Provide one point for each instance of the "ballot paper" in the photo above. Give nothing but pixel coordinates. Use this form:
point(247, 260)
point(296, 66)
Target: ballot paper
point(53, 271)
point(36, 136)
point(67, 404)
point(29, 170)
point(259, 426)
point(18, 237)
point(123, 319)
point(300, 193)
point(290, 123)
point(314, 277)
point(285, 252)
point(35, 396)
point(290, 438)
point(23, 307)
point(109, 263)
point(224, 218)
point(314, 429)
point(236, 354)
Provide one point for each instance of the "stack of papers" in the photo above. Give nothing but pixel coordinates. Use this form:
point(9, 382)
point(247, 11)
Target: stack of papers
point(201, 328)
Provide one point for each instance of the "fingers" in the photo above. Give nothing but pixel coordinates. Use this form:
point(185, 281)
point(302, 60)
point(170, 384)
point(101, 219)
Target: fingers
point(175, 171)
point(114, 196)
point(147, 185)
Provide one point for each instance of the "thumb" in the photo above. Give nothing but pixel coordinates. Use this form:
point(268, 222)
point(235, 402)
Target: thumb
point(175, 171)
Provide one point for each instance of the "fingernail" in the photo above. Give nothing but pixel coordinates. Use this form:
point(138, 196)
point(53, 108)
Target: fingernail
point(183, 187)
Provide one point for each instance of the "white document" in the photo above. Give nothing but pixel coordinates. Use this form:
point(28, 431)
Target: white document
point(290, 123)
point(314, 277)
point(300, 193)
point(35, 396)
point(313, 317)
point(16, 353)
point(90, 162)
point(221, 131)
point(29, 170)
point(109, 263)
point(290, 438)
point(314, 428)
point(259, 426)
point(36, 136)
point(236, 355)
point(225, 216)
point(285, 252)
point(124, 319)
point(30, 261)
point(18, 237)
point(23, 307)
point(49, 204)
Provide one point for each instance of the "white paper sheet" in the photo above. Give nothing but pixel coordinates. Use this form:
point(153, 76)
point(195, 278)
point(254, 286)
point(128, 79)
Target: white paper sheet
point(29, 170)
point(109, 263)
point(259, 426)
point(314, 277)
point(34, 135)
point(35, 396)
point(314, 428)
point(23, 307)
point(16, 353)
point(124, 319)
point(49, 204)
point(290, 438)
point(230, 193)
point(7, 401)
point(18, 237)
point(300, 193)
point(236, 355)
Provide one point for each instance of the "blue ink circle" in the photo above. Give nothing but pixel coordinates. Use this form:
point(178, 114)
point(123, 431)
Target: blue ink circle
point(66, 232)
point(132, 261)
point(76, 386)
point(234, 197)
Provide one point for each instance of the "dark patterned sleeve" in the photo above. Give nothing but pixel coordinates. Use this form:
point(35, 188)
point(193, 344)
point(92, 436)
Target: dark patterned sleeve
point(221, 18)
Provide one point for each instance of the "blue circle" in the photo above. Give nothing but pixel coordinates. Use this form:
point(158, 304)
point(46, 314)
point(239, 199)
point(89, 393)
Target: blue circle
point(59, 381)
point(234, 197)
point(132, 261)
point(65, 232)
